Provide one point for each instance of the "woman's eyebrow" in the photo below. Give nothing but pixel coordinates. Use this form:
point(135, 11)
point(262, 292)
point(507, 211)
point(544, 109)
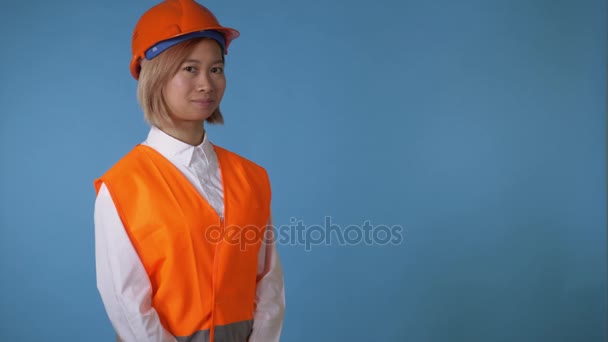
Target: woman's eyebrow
point(219, 61)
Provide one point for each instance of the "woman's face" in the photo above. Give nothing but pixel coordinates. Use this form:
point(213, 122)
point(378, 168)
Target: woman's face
point(195, 91)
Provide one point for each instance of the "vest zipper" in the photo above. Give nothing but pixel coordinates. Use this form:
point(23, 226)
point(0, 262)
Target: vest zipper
point(214, 280)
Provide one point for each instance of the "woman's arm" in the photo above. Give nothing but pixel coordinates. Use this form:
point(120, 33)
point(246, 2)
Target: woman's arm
point(270, 293)
point(122, 281)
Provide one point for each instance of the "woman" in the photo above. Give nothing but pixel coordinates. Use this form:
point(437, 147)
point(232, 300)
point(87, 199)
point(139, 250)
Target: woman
point(175, 217)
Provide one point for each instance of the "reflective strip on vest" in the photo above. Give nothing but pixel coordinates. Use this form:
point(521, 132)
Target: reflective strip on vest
point(235, 332)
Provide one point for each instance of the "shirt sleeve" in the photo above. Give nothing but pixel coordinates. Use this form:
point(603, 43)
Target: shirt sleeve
point(270, 292)
point(122, 281)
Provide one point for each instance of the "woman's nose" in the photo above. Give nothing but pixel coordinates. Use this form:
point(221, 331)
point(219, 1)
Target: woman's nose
point(204, 83)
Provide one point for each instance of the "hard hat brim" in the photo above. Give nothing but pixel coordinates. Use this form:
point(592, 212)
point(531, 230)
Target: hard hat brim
point(229, 35)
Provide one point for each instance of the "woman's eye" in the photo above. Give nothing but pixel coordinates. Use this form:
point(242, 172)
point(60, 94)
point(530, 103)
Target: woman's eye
point(217, 70)
point(190, 69)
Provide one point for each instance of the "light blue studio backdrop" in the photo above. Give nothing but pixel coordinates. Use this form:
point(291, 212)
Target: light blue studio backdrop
point(478, 127)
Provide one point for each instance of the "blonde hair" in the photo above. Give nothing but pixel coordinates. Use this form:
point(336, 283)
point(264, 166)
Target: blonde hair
point(155, 74)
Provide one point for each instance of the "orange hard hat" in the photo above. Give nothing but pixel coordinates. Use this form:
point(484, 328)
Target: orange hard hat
point(170, 20)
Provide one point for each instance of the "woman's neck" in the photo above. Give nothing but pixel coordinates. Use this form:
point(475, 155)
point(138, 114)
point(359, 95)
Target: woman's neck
point(190, 133)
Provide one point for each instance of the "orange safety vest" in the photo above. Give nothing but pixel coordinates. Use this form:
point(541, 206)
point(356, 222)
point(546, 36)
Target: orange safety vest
point(202, 268)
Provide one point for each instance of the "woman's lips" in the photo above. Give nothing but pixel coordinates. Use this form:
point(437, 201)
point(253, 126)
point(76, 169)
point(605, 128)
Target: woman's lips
point(205, 103)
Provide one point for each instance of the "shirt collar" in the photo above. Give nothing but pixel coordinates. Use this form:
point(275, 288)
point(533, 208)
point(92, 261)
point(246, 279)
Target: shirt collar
point(179, 151)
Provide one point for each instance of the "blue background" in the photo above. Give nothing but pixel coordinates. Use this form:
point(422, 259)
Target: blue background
point(478, 126)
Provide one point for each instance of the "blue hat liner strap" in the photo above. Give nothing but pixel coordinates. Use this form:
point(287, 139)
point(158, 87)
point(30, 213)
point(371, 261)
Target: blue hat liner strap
point(165, 44)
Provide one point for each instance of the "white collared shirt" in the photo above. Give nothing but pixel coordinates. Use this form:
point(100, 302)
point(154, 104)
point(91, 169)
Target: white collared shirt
point(122, 280)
